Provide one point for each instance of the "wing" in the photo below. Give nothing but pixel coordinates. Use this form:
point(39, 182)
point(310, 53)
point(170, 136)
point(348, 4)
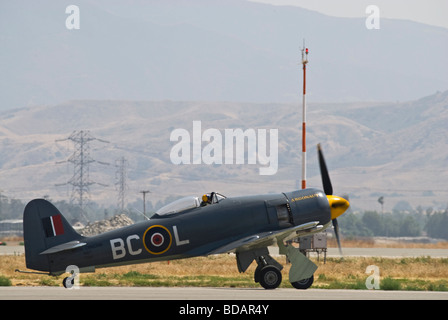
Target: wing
point(265, 239)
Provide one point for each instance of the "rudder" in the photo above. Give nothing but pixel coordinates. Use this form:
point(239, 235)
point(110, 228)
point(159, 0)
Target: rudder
point(44, 227)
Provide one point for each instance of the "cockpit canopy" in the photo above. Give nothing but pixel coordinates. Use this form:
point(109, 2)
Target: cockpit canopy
point(190, 202)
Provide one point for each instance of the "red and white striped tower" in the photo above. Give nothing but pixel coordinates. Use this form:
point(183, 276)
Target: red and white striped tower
point(304, 63)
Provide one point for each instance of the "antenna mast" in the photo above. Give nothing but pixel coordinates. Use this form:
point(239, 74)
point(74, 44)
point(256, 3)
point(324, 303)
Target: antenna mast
point(304, 63)
point(144, 201)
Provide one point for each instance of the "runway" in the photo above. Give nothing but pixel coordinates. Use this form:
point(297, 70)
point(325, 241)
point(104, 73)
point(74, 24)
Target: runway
point(231, 294)
point(195, 293)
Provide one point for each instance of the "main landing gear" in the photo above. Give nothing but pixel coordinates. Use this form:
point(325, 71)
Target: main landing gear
point(270, 277)
point(268, 272)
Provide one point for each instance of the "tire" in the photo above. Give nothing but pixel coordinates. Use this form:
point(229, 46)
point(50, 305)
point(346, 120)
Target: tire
point(68, 282)
point(303, 284)
point(270, 277)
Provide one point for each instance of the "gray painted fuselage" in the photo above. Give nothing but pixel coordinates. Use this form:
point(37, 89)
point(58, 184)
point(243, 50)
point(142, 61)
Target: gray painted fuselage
point(196, 232)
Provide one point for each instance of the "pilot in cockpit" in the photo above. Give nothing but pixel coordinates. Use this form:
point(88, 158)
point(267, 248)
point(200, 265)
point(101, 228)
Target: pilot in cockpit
point(206, 200)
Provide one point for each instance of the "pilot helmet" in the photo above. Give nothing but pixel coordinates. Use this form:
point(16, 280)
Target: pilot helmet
point(205, 198)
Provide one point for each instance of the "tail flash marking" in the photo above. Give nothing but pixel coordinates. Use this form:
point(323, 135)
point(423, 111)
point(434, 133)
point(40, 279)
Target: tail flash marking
point(53, 226)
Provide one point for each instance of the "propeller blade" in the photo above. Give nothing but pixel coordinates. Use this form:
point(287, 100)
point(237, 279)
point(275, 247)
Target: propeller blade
point(334, 201)
point(328, 188)
point(336, 232)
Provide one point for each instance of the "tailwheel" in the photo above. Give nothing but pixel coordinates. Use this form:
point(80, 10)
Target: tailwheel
point(270, 277)
point(303, 284)
point(68, 282)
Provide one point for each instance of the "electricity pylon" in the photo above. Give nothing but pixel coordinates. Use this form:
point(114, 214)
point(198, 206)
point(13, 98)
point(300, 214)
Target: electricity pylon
point(121, 184)
point(81, 159)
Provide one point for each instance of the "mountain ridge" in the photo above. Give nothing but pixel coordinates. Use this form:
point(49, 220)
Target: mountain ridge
point(405, 156)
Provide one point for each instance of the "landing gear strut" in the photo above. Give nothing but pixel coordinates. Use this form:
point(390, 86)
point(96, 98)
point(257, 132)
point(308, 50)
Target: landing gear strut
point(301, 273)
point(268, 272)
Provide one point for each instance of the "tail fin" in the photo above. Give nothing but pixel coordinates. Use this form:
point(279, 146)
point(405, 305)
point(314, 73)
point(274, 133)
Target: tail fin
point(44, 227)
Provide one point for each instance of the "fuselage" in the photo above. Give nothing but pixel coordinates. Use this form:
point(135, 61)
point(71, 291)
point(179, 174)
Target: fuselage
point(196, 231)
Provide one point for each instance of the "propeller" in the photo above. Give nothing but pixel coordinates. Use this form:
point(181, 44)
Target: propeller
point(336, 232)
point(326, 182)
point(338, 205)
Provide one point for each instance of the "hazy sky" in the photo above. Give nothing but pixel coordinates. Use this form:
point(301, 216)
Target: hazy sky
point(432, 12)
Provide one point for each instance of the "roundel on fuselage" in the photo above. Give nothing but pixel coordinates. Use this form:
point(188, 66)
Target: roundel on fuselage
point(157, 239)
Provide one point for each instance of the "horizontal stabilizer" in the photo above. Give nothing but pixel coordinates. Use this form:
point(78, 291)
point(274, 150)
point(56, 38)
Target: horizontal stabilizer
point(65, 246)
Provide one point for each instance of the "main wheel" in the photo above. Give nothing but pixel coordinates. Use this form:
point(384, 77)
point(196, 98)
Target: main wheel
point(303, 284)
point(270, 277)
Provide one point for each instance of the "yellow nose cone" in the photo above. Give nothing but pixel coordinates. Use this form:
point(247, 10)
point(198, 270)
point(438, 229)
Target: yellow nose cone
point(338, 206)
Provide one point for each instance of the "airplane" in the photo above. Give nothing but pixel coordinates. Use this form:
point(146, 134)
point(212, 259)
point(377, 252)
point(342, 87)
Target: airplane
point(191, 227)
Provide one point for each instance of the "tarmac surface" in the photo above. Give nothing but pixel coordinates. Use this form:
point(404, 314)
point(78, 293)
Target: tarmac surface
point(231, 294)
point(195, 293)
